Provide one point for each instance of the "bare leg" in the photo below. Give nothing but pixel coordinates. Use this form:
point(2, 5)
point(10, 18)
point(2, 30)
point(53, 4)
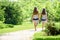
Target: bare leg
point(35, 28)
point(35, 25)
point(43, 24)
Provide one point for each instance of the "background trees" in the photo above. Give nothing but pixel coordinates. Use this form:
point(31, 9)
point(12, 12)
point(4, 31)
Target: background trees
point(11, 13)
point(14, 12)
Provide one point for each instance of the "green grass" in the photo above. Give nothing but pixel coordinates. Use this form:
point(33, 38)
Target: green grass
point(43, 36)
point(24, 26)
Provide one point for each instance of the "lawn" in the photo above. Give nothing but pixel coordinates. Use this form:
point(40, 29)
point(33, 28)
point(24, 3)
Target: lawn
point(43, 36)
point(24, 26)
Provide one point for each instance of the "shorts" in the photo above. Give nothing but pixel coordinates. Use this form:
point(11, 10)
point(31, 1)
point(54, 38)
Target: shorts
point(36, 21)
point(43, 19)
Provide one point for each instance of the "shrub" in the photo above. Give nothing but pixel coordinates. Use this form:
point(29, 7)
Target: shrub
point(1, 14)
point(2, 26)
point(51, 29)
point(9, 26)
point(13, 15)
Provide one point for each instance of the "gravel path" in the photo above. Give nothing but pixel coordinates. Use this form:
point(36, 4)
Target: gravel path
point(20, 35)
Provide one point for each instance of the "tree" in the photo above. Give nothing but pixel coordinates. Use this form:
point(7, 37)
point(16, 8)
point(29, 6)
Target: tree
point(13, 14)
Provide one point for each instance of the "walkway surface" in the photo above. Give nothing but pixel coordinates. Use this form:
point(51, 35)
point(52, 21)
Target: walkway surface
point(20, 35)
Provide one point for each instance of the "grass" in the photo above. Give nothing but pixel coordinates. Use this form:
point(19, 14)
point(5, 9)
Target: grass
point(24, 26)
point(43, 36)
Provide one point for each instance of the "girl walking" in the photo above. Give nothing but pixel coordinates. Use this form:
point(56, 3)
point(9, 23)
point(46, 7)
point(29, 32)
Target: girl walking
point(44, 17)
point(35, 18)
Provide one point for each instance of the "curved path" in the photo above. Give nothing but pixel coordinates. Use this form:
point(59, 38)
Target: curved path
point(20, 35)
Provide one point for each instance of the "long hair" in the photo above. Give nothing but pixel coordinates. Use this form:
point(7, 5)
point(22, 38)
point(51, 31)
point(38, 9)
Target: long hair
point(35, 11)
point(44, 11)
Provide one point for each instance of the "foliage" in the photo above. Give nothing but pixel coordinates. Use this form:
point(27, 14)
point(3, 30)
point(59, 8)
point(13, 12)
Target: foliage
point(1, 14)
point(51, 29)
point(11, 13)
point(25, 8)
point(2, 26)
point(9, 26)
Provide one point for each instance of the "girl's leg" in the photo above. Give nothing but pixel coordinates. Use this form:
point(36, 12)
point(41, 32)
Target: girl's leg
point(35, 24)
point(43, 24)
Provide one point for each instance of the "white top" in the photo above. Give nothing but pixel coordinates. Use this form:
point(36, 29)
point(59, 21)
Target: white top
point(44, 16)
point(35, 16)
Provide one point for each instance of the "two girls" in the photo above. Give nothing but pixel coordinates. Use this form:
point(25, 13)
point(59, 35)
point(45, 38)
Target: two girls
point(36, 17)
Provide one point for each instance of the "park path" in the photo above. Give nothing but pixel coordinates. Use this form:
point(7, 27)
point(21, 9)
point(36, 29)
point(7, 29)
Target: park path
point(20, 35)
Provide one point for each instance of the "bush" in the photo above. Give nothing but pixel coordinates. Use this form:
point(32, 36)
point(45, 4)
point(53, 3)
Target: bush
point(1, 14)
point(51, 29)
point(10, 26)
point(13, 15)
point(2, 26)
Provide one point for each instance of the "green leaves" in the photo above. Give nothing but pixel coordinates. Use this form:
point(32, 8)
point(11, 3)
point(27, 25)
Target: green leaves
point(25, 8)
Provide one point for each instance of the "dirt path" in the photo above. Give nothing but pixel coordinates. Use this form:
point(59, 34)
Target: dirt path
point(20, 35)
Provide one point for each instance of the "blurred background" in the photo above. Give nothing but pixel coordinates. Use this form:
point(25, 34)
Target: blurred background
point(16, 14)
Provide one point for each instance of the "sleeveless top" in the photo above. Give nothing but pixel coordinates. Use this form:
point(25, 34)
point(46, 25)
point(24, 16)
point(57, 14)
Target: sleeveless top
point(44, 16)
point(35, 16)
